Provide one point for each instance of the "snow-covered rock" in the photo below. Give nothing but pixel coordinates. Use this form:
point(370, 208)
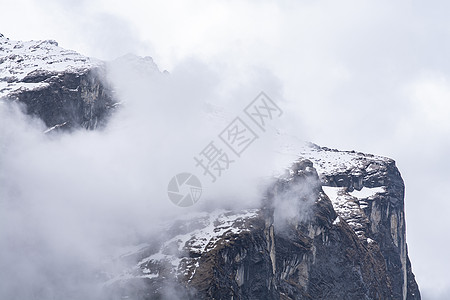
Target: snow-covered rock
point(62, 87)
point(22, 63)
point(352, 244)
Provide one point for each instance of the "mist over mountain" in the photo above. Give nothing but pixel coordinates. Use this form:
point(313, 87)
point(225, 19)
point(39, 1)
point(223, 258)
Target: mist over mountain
point(88, 148)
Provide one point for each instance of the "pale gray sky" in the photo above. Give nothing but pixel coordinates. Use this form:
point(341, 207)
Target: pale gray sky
point(366, 75)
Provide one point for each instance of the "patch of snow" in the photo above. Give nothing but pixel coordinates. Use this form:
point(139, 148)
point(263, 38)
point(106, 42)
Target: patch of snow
point(54, 127)
point(326, 161)
point(332, 192)
point(366, 192)
point(347, 207)
point(219, 224)
point(149, 276)
point(215, 226)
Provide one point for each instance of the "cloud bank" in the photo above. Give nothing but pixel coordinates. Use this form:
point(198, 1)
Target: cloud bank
point(72, 202)
point(371, 76)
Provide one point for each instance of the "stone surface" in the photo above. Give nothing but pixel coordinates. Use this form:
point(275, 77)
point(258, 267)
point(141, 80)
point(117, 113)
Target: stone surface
point(63, 88)
point(347, 241)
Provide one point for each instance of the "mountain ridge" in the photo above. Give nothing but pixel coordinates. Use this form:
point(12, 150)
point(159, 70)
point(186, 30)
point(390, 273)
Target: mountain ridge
point(352, 245)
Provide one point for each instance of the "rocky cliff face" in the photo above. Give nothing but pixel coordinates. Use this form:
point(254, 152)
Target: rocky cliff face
point(63, 88)
point(346, 240)
point(368, 193)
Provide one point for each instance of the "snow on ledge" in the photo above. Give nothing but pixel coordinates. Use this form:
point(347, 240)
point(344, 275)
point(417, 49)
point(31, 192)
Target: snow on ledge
point(366, 192)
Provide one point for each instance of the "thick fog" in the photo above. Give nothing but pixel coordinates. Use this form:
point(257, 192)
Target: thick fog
point(371, 76)
point(72, 202)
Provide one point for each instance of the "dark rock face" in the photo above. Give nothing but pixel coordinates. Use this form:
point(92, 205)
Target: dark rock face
point(75, 99)
point(326, 251)
point(384, 213)
point(63, 88)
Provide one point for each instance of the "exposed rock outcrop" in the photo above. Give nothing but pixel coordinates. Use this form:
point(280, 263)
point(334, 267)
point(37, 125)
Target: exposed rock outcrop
point(61, 87)
point(346, 241)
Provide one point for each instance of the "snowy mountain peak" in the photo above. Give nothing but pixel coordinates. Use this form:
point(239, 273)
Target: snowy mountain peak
point(62, 87)
point(20, 62)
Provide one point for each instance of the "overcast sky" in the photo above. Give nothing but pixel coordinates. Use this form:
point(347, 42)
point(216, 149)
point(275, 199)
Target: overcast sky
point(371, 76)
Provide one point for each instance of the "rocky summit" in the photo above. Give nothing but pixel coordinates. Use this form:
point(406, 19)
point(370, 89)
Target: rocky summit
point(331, 227)
point(347, 241)
point(63, 88)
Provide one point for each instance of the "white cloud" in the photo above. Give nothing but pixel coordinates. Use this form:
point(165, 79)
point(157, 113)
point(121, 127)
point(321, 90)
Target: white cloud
point(371, 76)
